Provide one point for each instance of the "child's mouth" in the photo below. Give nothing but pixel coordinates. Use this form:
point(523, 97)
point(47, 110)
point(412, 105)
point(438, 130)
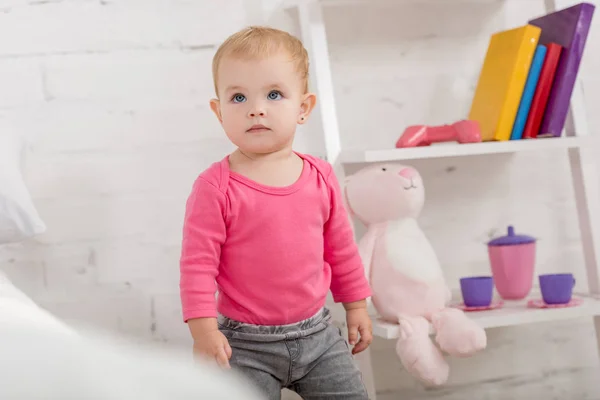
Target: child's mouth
point(257, 129)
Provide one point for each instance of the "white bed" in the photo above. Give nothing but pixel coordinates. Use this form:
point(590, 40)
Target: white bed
point(43, 358)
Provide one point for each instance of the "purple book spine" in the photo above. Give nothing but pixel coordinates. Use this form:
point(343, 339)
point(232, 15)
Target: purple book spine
point(569, 28)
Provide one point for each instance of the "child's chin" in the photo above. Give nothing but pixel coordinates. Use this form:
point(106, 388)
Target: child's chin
point(262, 146)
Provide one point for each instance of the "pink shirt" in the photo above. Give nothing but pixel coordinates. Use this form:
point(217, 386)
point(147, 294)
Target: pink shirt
point(273, 253)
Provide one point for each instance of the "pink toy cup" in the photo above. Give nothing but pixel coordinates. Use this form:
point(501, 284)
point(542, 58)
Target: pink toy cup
point(512, 259)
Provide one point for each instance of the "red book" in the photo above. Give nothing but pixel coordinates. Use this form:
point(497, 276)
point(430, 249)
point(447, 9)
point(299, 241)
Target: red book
point(542, 92)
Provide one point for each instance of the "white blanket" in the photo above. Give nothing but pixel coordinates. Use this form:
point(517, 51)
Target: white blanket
point(42, 358)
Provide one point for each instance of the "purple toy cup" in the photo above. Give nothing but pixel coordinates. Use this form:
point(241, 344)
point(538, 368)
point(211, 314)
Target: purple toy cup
point(557, 288)
point(477, 291)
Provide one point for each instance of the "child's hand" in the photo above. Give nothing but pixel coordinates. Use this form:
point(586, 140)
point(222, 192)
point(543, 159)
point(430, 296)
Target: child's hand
point(359, 322)
point(214, 345)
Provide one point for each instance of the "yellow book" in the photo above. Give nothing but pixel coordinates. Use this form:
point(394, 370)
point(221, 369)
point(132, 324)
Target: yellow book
point(502, 80)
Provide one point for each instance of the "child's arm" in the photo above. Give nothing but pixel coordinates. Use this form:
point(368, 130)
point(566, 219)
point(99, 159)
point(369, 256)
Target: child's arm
point(203, 235)
point(348, 282)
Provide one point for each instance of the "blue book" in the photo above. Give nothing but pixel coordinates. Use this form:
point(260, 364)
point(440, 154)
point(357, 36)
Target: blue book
point(528, 92)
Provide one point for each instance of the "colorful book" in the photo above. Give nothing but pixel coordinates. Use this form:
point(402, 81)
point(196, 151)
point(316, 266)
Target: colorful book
point(502, 80)
point(540, 98)
point(528, 92)
point(569, 28)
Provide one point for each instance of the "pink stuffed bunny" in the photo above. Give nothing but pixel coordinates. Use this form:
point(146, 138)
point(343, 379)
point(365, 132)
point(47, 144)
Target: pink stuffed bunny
point(404, 272)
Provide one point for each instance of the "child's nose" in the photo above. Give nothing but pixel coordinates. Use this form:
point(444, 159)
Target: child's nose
point(257, 110)
point(257, 113)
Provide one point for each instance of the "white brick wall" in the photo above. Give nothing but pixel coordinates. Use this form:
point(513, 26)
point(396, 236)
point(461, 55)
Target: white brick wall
point(105, 26)
point(116, 95)
point(21, 82)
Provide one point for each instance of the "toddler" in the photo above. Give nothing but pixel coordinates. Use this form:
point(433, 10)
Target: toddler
point(267, 228)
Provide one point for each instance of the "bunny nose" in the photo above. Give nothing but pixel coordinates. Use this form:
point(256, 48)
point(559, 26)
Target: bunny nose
point(408, 173)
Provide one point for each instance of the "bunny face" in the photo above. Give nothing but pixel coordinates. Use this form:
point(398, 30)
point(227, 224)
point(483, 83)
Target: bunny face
point(385, 192)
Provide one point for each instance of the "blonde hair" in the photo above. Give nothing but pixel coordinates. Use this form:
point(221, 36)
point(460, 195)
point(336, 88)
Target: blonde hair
point(258, 42)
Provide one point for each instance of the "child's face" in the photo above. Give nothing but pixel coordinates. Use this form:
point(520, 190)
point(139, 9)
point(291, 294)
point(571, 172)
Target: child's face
point(268, 93)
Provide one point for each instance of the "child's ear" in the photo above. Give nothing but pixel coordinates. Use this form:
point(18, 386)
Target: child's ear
point(215, 105)
point(306, 107)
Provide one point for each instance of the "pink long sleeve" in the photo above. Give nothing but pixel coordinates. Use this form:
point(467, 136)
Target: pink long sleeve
point(273, 253)
point(348, 281)
point(203, 236)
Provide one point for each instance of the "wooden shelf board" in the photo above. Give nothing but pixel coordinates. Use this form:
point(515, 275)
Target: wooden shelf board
point(511, 314)
point(452, 149)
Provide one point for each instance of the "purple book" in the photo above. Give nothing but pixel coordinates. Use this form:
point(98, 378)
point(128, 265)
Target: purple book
point(569, 28)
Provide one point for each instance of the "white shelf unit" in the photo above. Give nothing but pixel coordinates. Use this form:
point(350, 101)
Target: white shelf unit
point(576, 140)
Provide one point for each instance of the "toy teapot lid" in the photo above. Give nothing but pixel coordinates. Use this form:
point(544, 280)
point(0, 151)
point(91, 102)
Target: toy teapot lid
point(511, 239)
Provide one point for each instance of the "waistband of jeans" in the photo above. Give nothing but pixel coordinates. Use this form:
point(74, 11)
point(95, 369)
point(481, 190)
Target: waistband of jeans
point(276, 332)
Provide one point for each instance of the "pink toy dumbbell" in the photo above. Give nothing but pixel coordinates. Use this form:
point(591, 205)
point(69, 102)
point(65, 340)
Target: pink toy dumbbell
point(464, 131)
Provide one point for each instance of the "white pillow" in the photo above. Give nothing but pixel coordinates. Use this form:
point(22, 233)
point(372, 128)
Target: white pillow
point(19, 218)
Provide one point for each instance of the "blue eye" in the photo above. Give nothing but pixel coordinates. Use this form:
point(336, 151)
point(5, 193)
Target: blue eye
point(274, 95)
point(238, 98)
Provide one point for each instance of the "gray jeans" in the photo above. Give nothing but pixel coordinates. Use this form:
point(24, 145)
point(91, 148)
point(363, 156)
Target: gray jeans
point(309, 357)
